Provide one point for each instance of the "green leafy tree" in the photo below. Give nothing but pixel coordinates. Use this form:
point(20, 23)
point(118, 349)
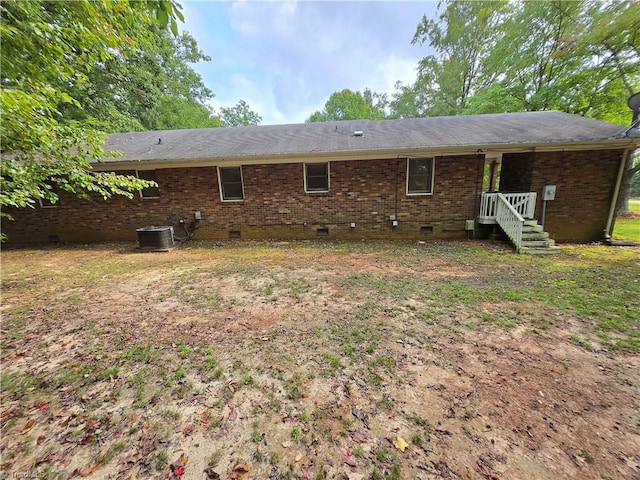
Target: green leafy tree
point(578, 56)
point(350, 105)
point(177, 113)
point(411, 100)
point(46, 44)
point(575, 56)
point(534, 62)
point(146, 86)
point(613, 44)
point(462, 36)
point(239, 115)
point(634, 191)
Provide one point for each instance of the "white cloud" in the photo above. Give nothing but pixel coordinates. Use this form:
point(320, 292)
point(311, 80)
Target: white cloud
point(286, 58)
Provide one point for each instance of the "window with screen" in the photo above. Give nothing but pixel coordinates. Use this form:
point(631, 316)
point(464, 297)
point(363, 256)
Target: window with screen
point(231, 188)
point(149, 192)
point(419, 176)
point(316, 177)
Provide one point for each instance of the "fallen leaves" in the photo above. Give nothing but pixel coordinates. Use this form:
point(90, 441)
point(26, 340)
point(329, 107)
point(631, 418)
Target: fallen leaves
point(92, 424)
point(400, 444)
point(348, 458)
point(211, 473)
point(442, 430)
point(360, 415)
point(239, 470)
point(188, 429)
point(178, 467)
point(359, 436)
point(28, 426)
point(232, 414)
point(89, 470)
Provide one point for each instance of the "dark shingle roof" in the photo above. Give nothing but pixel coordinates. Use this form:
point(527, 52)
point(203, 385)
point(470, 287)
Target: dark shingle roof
point(308, 139)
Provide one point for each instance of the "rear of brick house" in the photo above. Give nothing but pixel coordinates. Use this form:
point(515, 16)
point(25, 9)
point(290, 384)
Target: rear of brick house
point(431, 178)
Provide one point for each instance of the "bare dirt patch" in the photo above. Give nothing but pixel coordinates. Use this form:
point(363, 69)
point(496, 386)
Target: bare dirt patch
point(320, 360)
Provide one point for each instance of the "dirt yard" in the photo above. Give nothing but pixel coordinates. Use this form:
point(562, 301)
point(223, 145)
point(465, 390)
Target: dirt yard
point(308, 360)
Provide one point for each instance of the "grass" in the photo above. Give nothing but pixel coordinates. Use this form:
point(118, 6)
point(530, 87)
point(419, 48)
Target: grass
point(628, 228)
point(261, 369)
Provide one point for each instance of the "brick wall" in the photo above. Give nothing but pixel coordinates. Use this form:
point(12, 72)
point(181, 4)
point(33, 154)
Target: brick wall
point(584, 181)
point(365, 192)
point(515, 173)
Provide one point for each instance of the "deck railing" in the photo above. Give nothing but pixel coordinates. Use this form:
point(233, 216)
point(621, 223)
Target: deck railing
point(523, 203)
point(510, 220)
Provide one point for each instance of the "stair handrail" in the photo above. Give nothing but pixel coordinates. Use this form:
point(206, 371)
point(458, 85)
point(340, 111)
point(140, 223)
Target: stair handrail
point(523, 202)
point(510, 221)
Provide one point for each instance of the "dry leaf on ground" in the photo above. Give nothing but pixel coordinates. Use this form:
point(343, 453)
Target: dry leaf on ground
point(400, 444)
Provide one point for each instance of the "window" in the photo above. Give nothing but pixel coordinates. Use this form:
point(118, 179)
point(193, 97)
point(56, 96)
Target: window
point(230, 179)
point(316, 177)
point(149, 192)
point(45, 202)
point(419, 176)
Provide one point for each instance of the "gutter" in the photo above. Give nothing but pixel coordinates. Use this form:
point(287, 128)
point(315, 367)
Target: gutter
point(616, 191)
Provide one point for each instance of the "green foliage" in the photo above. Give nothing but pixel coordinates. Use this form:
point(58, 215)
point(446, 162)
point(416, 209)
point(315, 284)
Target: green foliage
point(635, 184)
point(239, 115)
point(349, 105)
point(47, 48)
point(73, 70)
point(461, 37)
point(574, 56)
point(148, 85)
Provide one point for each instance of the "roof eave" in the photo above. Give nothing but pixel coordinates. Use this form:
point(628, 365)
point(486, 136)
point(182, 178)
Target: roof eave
point(377, 154)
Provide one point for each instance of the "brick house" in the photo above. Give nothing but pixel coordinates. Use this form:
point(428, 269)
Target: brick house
point(443, 177)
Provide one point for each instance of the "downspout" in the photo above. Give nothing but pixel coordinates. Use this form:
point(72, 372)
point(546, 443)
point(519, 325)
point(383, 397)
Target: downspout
point(398, 165)
point(616, 191)
point(480, 156)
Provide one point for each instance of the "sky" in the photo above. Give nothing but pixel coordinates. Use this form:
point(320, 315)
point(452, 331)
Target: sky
point(285, 58)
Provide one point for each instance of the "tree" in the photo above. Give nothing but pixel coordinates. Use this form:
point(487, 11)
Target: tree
point(579, 57)
point(635, 179)
point(575, 56)
point(350, 105)
point(239, 115)
point(535, 62)
point(462, 37)
point(44, 46)
point(146, 86)
point(411, 101)
point(614, 42)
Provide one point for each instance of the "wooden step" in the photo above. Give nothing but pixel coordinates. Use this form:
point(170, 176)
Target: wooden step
point(547, 242)
point(532, 228)
point(535, 235)
point(541, 250)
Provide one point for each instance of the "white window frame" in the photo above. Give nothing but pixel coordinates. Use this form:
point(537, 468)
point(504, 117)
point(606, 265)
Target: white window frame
point(52, 205)
point(304, 174)
point(142, 195)
point(220, 184)
point(433, 176)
